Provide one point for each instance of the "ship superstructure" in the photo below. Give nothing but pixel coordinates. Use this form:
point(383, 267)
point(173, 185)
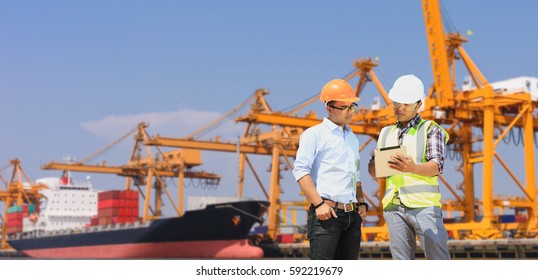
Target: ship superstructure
point(64, 205)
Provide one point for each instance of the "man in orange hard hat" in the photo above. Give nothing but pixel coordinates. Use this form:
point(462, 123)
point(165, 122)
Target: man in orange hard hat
point(327, 170)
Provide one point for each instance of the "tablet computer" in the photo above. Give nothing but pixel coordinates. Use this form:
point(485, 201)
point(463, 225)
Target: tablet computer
point(382, 158)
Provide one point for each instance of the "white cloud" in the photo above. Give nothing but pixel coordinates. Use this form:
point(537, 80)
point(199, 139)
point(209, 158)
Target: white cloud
point(170, 124)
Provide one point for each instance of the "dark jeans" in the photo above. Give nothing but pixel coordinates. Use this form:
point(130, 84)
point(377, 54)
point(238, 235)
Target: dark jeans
point(335, 238)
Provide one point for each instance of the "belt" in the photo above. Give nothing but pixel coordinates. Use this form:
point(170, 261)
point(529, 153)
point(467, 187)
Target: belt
point(396, 201)
point(347, 207)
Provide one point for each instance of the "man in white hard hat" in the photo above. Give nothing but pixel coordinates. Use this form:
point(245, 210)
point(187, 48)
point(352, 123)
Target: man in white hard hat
point(412, 201)
point(327, 170)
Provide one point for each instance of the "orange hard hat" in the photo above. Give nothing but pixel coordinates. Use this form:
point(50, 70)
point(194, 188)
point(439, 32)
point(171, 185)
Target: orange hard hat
point(338, 90)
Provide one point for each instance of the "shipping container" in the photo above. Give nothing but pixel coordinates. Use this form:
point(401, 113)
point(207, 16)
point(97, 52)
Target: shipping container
point(108, 195)
point(507, 218)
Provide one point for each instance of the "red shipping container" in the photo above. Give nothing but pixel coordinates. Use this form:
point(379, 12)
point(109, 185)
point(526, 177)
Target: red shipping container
point(109, 203)
point(132, 194)
point(109, 195)
point(118, 220)
point(108, 212)
point(130, 203)
point(123, 212)
point(13, 230)
point(285, 238)
point(521, 218)
point(14, 216)
point(105, 221)
point(14, 223)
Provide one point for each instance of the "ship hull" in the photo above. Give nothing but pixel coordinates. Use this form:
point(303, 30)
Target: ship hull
point(187, 249)
point(218, 231)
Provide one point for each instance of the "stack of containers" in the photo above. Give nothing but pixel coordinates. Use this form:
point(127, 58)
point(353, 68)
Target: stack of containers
point(116, 207)
point(15, 214)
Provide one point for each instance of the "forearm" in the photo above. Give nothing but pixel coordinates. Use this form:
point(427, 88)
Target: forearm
point(359, 195)
point(430, 168)
point(309, 189)
point(363, 206)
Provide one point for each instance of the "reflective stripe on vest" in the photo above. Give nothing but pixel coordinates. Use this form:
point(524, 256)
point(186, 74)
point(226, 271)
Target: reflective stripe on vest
point(415, 191)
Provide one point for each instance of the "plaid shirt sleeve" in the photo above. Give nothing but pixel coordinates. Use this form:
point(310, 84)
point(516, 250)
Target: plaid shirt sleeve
point(436, 146)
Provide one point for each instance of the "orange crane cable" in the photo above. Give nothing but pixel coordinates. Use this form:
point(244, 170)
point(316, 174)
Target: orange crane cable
point(301, 104)
point(447, 21)
point(5, 167)
point(159, 151)
point(193, 135)
point(167, 193)
point(28, 180)
point(260, 183)
point(144, 198)
point(310, 100)
point(109, 145)
point(4, 181)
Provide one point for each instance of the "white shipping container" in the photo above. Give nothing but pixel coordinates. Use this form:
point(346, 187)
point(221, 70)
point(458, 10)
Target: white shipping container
point(509, 86)
point(521, 84)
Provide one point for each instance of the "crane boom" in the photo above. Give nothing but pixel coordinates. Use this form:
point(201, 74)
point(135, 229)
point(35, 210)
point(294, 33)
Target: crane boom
point(126, 170)
point(213, 146)
point(438, 54)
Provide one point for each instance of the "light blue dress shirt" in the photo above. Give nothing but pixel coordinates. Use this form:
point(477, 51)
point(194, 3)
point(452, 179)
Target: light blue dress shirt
point(330, 155)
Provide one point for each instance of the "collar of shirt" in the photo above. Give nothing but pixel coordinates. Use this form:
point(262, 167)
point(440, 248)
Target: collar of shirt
point(412, 123)
point(403, 130)
point(332, 126)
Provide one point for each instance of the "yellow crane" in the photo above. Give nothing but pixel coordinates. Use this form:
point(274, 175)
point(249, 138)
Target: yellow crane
point(278, 141)
point(149, 171)
point(17, 191)
point(459, 111)
point(480, 108)
point(281, 141)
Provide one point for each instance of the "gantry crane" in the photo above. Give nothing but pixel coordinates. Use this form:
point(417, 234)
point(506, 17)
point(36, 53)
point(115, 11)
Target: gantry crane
point(459, 111)
point(278, 141)
point(17, 191)
point(281, 140)
point(149, 171)
point(484, 109)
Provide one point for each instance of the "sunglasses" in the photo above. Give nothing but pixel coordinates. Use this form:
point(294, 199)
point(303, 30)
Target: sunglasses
point(350, 108)
point(398, 105)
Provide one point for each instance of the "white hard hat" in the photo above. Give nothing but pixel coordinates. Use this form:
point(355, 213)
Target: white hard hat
point(407, 89)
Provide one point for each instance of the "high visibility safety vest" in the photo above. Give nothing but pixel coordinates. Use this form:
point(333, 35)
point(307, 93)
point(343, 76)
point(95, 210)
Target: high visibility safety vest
point(415, 191)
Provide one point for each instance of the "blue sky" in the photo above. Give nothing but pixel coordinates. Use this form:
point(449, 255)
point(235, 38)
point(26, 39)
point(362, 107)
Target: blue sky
point(76, 75)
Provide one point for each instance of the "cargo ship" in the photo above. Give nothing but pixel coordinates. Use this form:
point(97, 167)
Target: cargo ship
point(69, 222)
